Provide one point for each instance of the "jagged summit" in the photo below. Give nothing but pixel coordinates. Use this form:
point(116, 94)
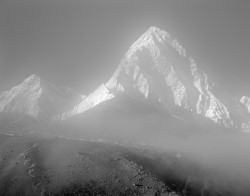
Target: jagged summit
point(153, 29)
point(33, 79)
point(150, 37)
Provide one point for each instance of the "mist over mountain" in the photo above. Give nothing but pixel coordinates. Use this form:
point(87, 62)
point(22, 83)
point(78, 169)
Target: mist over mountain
point(158, 70)
point(158, 126)
point(123, 98)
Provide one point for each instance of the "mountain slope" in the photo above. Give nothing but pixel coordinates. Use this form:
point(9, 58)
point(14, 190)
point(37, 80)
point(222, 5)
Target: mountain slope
point(158, 70)
point(99, 95)
point(36, 98)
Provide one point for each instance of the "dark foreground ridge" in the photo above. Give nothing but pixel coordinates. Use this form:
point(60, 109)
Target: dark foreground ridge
point(46, 165)
point(31, 165)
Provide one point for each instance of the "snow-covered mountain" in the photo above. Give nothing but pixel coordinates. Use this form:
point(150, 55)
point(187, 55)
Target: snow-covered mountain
point(157, 69)
point(37, 98)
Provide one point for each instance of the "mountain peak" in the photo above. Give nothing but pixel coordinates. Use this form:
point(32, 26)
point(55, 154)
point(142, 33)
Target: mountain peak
point(153, 29)
point(32, 80)
point(158, 70)
point(147, 39)
point(152, 39)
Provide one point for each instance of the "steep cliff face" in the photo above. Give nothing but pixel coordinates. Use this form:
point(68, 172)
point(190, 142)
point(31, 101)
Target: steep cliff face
point(158, 69)
point(36, 98)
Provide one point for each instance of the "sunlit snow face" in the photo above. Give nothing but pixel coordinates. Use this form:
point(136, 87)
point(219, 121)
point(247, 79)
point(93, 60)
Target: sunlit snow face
point(157, 55)
point(156, 68)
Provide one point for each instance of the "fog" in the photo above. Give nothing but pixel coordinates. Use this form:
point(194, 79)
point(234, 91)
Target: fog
point(221, 161)
point(208, 157)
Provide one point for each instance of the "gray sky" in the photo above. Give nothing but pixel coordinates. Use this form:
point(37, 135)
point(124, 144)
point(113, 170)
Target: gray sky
point(79, 43)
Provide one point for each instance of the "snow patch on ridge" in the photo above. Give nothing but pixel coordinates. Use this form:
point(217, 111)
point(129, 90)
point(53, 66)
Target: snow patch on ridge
point(100, 95)
point(143, 85)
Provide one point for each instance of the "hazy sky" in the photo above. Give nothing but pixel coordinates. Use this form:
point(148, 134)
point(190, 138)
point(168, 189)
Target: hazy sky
point(79, 43)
